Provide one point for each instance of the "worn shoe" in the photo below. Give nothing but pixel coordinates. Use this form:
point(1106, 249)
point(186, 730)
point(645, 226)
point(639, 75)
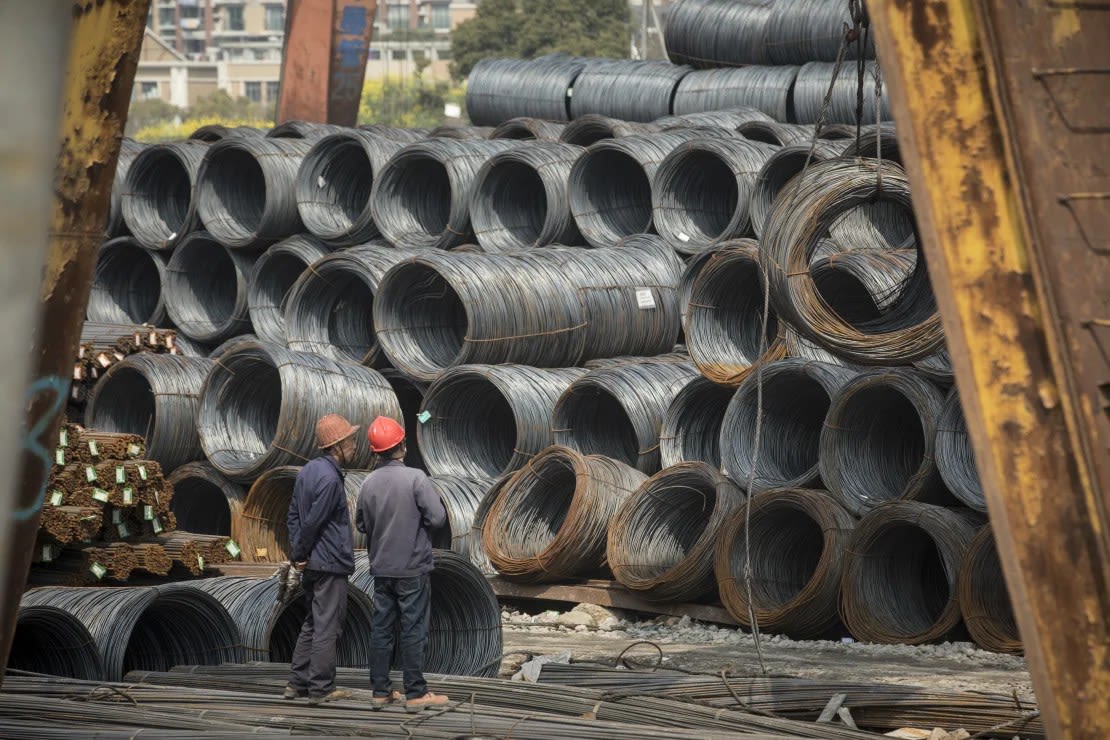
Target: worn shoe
point(425, 702)
point(381, 702)
point(292, 692)
point(333, 695)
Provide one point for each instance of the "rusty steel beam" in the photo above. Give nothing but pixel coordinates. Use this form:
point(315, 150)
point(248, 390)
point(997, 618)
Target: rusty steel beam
point(104, 41)
point(999, 164)
point(323, 64)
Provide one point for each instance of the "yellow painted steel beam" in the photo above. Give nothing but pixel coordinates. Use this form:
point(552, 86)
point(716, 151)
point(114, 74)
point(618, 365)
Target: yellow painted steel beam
point(1042, 493)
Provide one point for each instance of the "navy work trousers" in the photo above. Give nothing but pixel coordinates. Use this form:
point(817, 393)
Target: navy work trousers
point(313, 667)
point(404, 600)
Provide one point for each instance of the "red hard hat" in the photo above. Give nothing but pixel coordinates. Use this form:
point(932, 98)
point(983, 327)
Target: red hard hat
point(385, 434)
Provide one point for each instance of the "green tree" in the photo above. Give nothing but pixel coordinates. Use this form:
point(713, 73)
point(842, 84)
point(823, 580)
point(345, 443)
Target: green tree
point(151, 112)
point(221, 105)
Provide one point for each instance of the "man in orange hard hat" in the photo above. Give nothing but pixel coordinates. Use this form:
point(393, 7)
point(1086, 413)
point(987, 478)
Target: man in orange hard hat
point(397, 506)
point(323, 548)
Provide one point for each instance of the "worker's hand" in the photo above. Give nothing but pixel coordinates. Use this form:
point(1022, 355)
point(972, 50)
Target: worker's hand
point(301, 565)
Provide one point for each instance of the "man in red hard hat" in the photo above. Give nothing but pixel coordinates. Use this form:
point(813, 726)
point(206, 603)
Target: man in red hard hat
point(397, 506)
point(323, 548)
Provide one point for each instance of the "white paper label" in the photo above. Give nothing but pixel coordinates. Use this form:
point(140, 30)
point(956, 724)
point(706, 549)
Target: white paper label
point(142, 472)
point(121, 476)
point(56, 498)
point(133, 450)
point(148, 512)
point(100, 495)
point(128, 496)
point(117, 516)
point(200, 562)
point(93, 449)
point(683, 238)
point(452, 110)
point(644, 298)
point(124, 532)
point(157, 526)
point(63, 437)
point(90, 473)
point(48, 553)
point(233, 549)
point(321, 182)
point(59, 456)
point(98, 570)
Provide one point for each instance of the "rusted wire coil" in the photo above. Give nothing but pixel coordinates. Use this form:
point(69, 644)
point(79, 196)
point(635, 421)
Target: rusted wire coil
point(702, 191)
point(259, 407)
point(692, 424)
point(899, 583)
point(329, 309)
point(767, 89)
point(695, 263)
point(631, 90)
point(909, 330)
point(50, 640)
point(724, 318)
point(157, 200)
point(334, 184)
point(796, 394)
point(246, 190)
point(955, 458)
point(272, 277)
point(480, 514)
point(618, 411)
point(661, 540)
point(984, 599)
point(879, 439)
point(520, 198)
point(461, 498)
point(812, 85)
point(779, 169)
point(127, 284)
point(550, 521)
point(797, 539)
point(482, 421)
point(155, 396)
point(525, 128)
point(205, 289)
point(591, 128)
point(500, 89)
point(128, 150)
point(204, 501)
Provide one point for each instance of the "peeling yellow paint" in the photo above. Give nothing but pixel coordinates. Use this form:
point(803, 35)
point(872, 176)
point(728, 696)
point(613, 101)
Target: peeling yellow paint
point(1065, 25)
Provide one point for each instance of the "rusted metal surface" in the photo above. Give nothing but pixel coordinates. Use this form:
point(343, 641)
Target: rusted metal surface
point(324, 62)
point(104, 51)
point(1002, 125)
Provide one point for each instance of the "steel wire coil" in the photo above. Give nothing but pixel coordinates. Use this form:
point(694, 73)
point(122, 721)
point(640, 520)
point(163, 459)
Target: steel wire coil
point(800, 31)
point(691, 429)
point(610, 184)
point(729, 120)
point(204, 501)
point(520, 199)
point(799, 346)
point(796, 395)
point(205, 288)
point(776, 134)
point(955, 456)
point(695, 263)
point(660, 542)
point(261, 526)
point(403, 135)
point(329, 309)
point(128, 150)
point(468, 249)
point(157, 201)
point(461, 498)
point(938, 367)
point(500, 89)
point(156, 397)
point(874, 226)
point(213, 132)
point(984, 600)
point(307, 130)
point(630, 90)
point(482, 421)
point(795, 541)
point(861, 285)
point(838, 132)
point(525, 128)
point(716, 33)
point(50, 640)
point(460, 132)
point(779, 169)
point(482, 512)
point(618, 411)
point(148, 628)
point(246, 190)
point(812, 85)
point(191, 348)
point(591, 128)
point(226, 346)
point(464, 625)
point(702, 191)
point(270, 630)
point(724, 318)
point(260, 403)
point(271, 281)
point(909, 330)
point(879, 440)
point(127, 284)
point(551, 520)
point(767, 89)
point(899, 583)
point(334, 183)
point(410, 395)
point(876, 142)
point(421, 198)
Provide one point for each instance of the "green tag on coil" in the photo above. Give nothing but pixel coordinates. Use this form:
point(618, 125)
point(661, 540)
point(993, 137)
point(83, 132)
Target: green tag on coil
point(98, 570)
point(232, 548)
point(93, 449)
point(423, 416)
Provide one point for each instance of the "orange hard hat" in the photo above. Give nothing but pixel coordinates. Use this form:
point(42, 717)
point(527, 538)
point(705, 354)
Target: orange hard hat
point(385, 434)
point(333, 429)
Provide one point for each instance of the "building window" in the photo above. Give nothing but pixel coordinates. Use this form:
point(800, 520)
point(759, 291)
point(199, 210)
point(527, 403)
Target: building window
point(441, 15)
point(254, 91)
point(234, 18)
point(397, 16)
point(271, 92)
point(374, 54)
point(443, 54)
point(167, 16)
point(148, 90)
point(398, 55)
point(275, 18)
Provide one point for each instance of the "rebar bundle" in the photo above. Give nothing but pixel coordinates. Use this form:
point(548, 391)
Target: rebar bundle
point(204, 501)
point(794, 543)
point(272, 277)
point(899, 582)
point(984, 599)
point(246, 190)
point(500, 89)
point(618, 411)
point(482, 421)
point(661, 540)
point(767, 89)
point(591, 128)
point(128, 150)
point(461, 498)
point(702, 191)
point(329, 309)
point(157, 200)
point(206, 289)
point(812, 85)
point(955, 458)
point(50, 640)
point(525, 128)
point(639, 91)
point(550, 521)
point(779, 169)
point(335, 181)
point(127, 284)
point(520, 198)
point(154, 396)
point(259, 407)
point(692, 424)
